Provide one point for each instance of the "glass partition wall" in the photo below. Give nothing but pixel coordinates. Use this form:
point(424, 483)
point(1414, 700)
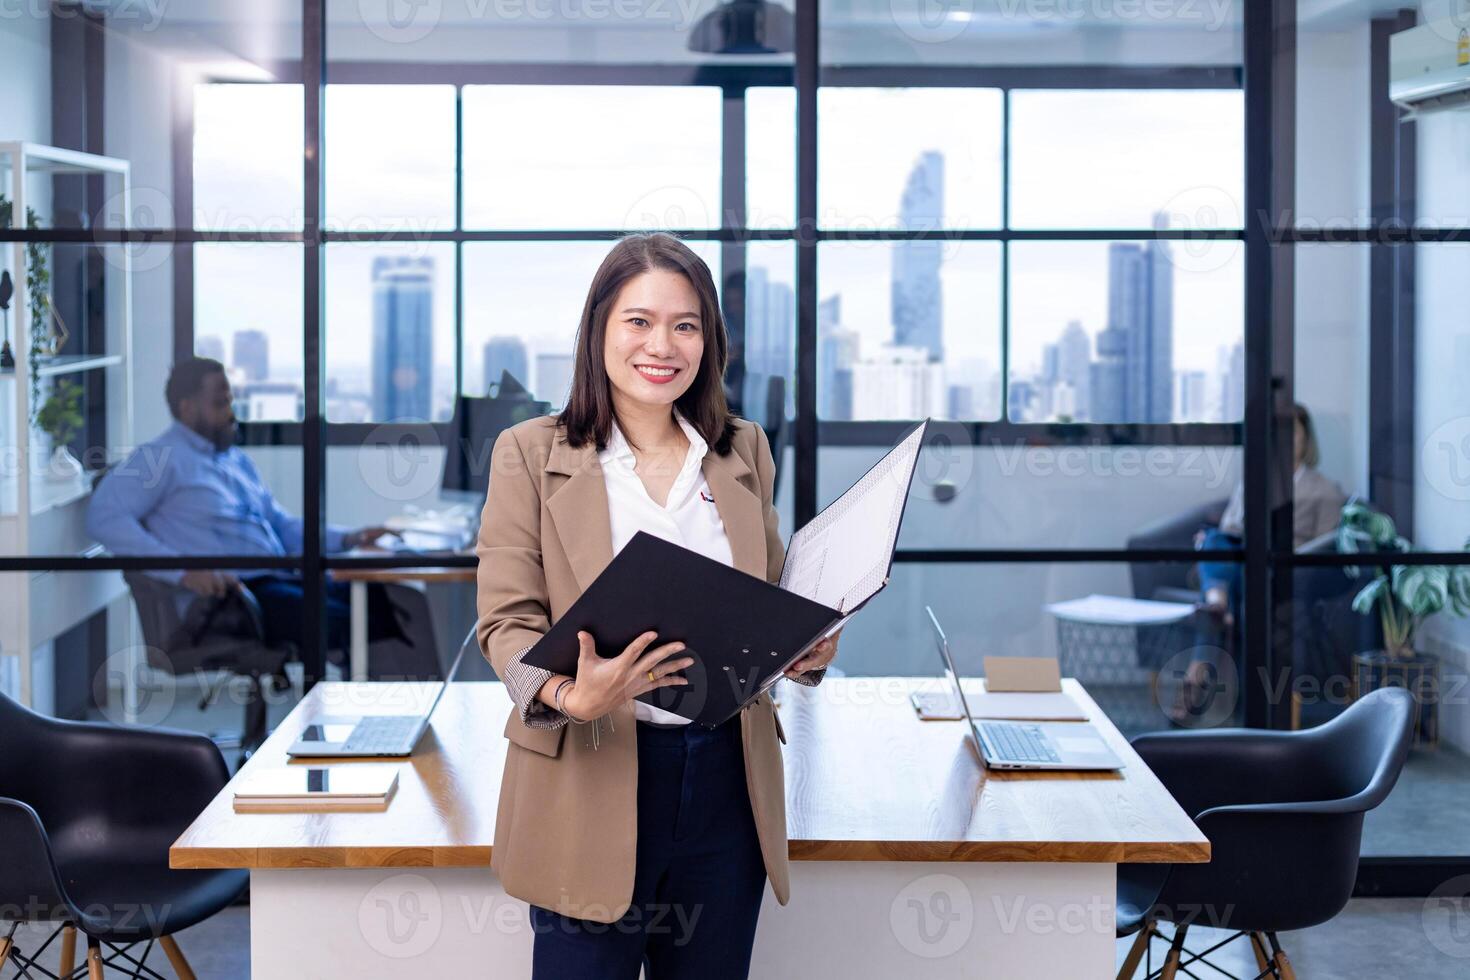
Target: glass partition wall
point(1107, 247)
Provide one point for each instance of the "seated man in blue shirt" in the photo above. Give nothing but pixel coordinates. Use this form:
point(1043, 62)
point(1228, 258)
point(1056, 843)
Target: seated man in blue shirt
point(191, 491)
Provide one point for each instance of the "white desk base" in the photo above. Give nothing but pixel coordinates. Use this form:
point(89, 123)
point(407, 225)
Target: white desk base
point(858, 919)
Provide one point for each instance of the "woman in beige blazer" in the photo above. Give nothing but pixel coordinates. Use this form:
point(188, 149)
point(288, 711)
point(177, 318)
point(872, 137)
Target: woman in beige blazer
point(640, 841)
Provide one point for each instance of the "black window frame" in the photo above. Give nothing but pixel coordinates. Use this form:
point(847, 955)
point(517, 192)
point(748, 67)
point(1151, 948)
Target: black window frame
point(1267, 77)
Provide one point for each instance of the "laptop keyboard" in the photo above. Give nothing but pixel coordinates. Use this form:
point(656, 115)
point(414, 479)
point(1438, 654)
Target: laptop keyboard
point(1020, 743)
point(382, 735)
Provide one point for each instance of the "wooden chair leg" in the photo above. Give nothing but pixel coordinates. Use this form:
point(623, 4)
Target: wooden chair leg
point(5, 945)
point(1258, 946)
point(68, 950)
point(1279, 959)
point(1136, 951)
point(94, 958)
point(176, 957)
point(1176, 953)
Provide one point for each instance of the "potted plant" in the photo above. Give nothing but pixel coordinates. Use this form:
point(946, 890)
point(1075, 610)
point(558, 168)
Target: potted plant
point(38, 280)
point(61, 419)
point(1404, 596)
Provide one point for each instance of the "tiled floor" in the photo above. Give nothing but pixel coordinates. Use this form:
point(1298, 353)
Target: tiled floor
point(1406, 939)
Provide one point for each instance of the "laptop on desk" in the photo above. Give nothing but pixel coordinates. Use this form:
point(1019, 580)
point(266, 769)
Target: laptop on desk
point(372, 736)
point(1066, 745)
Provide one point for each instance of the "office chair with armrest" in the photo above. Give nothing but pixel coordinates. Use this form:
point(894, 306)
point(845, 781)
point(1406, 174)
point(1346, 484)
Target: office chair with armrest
point(1284, 815)
point(224, 634)
point(88, 812)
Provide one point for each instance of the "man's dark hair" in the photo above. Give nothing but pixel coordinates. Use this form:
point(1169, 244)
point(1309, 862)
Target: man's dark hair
point(187, 378)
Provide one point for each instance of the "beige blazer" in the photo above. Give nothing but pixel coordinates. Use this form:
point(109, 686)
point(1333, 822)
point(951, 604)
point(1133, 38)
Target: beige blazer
point(566, 826)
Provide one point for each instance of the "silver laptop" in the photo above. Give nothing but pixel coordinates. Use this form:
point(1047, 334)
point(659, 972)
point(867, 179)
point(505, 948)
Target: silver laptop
point(373, 735)
point(1026, 744)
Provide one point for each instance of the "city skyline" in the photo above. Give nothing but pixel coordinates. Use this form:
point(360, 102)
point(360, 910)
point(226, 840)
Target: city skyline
point(893, 298)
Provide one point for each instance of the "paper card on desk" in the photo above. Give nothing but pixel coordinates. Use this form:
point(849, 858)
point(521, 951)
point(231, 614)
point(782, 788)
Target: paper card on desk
point(1022, 674)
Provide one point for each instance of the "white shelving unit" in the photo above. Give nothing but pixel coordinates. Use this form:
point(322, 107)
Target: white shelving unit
point(39, 516)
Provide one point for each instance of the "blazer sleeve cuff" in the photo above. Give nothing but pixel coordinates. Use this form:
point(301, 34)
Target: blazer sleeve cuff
point(811, 678)
point(522, 681)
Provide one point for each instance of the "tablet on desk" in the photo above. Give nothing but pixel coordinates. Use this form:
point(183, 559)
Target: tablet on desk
point(289, 788)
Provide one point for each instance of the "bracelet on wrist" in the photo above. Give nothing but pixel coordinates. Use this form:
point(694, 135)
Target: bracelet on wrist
point(558, 698)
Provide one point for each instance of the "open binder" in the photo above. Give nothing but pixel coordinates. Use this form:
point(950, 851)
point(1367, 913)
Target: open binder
point(742, 631)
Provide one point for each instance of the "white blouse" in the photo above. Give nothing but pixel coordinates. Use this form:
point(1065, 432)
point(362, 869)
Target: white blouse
point(688, 518)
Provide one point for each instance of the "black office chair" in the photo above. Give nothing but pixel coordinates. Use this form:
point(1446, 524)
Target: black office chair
point(214, 634)
point(87, 814)
point(1284, 815)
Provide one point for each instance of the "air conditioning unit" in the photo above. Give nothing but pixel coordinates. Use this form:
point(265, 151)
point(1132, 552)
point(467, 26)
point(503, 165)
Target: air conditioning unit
point(1429, 66)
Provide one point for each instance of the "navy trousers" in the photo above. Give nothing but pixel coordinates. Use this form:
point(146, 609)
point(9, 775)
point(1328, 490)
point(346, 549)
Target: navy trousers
point(699, 879)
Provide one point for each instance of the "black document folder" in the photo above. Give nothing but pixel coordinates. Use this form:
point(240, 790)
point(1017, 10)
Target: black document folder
point(741, 631)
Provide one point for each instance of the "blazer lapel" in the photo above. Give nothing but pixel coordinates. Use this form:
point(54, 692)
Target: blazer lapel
point(740, 511)
point(579, 510)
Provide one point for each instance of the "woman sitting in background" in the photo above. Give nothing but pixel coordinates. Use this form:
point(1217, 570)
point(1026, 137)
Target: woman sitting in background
point(1317, 506)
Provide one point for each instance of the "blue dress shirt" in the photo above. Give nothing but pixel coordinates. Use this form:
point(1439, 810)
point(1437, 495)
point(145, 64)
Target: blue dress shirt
point(179, 495)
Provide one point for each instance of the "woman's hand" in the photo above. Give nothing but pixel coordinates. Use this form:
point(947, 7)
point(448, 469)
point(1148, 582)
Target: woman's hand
point(820, 656)
point(603, 684)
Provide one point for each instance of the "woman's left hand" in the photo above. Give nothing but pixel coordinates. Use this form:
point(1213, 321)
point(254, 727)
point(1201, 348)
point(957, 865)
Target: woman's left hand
point(820, 656)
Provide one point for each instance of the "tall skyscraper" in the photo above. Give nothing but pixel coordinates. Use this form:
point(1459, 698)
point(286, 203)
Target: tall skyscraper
point(1074, 368)
point(506, 354)
point(403, 340)
point(837, 352)
point(916, 297)
point(1232, 383)
point(251, 354)
point(898, 383)
point(1193, 397)
point(1108, 381)
point(554, 377)
point(769, 340)
point(1141, 306)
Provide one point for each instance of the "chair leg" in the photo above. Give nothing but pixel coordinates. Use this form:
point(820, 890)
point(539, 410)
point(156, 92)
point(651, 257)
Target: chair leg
point(1258, 946)
point(68, 950)
point(176, 957)
point(1170, 969)
point(94, 958)
point(1279, 959)
point(5, 945)
point(255, 721)
point(1135, 953)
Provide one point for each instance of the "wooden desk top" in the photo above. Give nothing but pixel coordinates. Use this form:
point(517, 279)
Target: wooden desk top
point(865, 779)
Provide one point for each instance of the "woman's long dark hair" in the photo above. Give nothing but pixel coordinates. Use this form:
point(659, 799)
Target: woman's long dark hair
point(588, 415)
